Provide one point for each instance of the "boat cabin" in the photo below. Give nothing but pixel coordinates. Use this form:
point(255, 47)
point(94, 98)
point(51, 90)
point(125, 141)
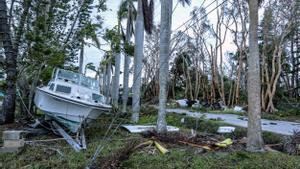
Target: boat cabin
point(75, 85)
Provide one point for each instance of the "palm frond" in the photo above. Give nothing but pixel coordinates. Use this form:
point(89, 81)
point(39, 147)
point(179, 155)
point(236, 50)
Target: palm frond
point(185, 2)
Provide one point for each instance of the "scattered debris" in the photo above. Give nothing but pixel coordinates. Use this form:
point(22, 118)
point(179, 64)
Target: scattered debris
point(182, 120)
point(162, 149)
point(227, 142)
point(270, 149)
point(197, 105)
point(243, 140)
point(239, 109)
point(144, 128)
point(115, 159)
point(206, 147)
point(193, 133)
point(291, 143)
point(226, 129)
point(188, 103)
point(218, 105)
point(13, 141)
point(205, 141)
point(182, 103)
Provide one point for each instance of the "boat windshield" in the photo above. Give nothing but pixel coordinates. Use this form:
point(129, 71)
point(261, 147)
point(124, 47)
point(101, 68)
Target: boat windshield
point(78, 79)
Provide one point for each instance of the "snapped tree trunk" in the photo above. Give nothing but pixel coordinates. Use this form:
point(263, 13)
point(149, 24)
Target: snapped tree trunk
point(254, 138)
point(165, 33)
point(138, 63)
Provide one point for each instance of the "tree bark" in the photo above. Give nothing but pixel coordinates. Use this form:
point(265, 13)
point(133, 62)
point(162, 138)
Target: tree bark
point(107, 82)
point(254, 138)
point(8, 106)
point(165, 34)
point(126, 63)
point(138, 63)
point(81, 55)
point(115, 93)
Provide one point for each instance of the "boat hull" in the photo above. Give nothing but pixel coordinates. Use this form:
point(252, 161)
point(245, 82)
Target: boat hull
point(70, 113)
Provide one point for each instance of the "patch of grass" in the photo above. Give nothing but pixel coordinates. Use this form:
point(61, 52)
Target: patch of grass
point(40, 156)
point(184, 122)
point(43, 155)
point(271, 138)
point(185, 159)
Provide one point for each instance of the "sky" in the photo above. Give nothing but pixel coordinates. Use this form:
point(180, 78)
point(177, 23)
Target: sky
point(180, 16)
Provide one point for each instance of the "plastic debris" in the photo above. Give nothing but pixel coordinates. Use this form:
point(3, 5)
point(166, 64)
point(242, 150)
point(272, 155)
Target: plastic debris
point(226, 129)
point(227, 142)
point(144, 128)
point(238, 109)
point(182, 102)
point(162, 149)
point(182, 120)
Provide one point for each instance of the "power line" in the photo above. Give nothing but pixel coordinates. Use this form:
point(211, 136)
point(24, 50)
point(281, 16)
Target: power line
point(199, 19)
point(195, 14)
point(166, 61)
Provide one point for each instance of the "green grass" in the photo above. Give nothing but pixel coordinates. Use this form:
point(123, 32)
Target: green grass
point(234, 160)
point(179, 157)
point(42, 156)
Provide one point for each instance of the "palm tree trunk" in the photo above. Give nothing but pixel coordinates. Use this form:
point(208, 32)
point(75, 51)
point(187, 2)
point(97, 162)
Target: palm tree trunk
point(104, 77)
point(254, 138)
point(165, 33)
point(115, 93)
point(81, 55)
point(138, 62)
point(107, 82)
point(126, 64)
point(8, 106)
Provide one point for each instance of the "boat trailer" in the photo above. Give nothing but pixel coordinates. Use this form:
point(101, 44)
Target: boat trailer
point(79, 143)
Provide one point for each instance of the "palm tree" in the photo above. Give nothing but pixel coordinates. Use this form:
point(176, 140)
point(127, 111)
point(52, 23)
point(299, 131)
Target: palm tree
point(116, 80)
point(254, 138)
point(127, 11)
point(122, 12)
point(87, 32)
point(113, 37)
point(144, 21)
point(164, 48)
point(106, 63)
point(90, 66)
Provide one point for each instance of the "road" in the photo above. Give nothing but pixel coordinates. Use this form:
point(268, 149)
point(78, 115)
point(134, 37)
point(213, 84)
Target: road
point(275, 126)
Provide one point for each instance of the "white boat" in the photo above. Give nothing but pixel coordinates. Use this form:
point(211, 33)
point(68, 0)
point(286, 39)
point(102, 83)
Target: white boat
point(71, 99)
